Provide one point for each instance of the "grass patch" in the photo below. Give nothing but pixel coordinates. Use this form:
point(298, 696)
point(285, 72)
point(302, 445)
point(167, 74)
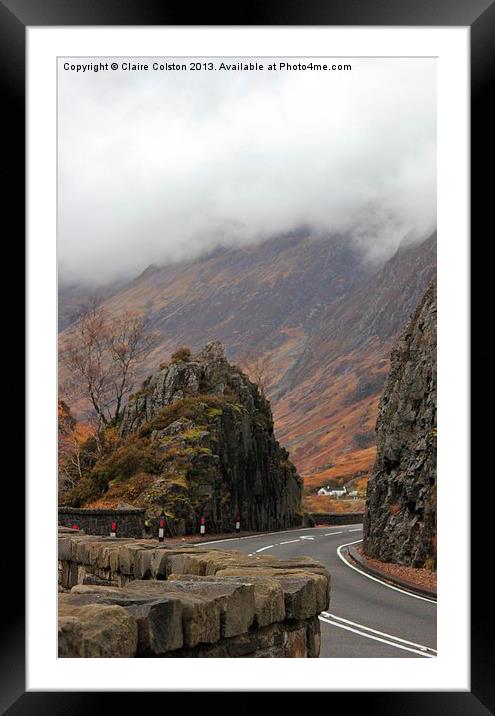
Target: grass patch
point(193, 408)
point(214, 412)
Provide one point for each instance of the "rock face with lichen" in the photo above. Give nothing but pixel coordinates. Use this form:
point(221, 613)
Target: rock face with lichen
point(198, 439)
point(400, 517)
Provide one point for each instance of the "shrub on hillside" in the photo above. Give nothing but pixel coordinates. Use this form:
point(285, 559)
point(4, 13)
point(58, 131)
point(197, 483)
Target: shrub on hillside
point(88, 489)
point(181, 355)
point(130, 459)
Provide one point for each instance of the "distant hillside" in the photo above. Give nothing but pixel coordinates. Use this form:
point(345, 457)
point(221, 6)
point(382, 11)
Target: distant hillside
point(324, 319)
point(327, 403)
point(73, 299)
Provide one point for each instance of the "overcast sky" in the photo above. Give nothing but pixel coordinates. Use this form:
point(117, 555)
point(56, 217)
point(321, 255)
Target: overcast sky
point(160, 166)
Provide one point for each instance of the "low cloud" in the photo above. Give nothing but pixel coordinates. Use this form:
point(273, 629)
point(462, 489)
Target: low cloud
point(160, 166)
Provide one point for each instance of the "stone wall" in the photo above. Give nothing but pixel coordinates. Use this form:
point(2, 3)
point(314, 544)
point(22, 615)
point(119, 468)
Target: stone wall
point(337, 518)
point(131, 598)
point(130, 522)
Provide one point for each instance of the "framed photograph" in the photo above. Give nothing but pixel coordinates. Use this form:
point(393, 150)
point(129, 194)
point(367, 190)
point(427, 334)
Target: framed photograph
point(237, 233)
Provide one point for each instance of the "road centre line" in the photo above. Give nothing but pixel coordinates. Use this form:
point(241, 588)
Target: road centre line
point(291, 541)
point(381, 633)
point(375, 579)
point(376, 638)
point(356, 530)
point(264, 534)
point(260, 534)
point(329, 534)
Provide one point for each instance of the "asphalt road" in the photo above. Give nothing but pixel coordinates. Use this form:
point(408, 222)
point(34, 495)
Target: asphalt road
point(366, 618)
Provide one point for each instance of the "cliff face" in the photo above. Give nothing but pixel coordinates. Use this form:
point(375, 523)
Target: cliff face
point(201, 438)
point(400, 517)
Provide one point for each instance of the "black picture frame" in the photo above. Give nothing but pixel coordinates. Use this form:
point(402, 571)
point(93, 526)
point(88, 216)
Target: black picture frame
point(15, 16)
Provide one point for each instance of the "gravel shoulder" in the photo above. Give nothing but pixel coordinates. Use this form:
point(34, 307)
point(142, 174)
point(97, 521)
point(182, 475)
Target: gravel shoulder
point(421, 578)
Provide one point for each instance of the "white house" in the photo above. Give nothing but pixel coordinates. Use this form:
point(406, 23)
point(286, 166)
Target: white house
point(340, 492)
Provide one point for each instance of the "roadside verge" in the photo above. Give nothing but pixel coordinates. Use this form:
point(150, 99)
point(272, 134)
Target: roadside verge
point(386, 577)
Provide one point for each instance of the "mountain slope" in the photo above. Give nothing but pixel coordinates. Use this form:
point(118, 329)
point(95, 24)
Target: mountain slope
point(325, 319)
point(326, 405)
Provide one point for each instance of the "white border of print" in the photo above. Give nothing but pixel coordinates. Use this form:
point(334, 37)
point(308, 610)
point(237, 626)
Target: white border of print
point(450, 670)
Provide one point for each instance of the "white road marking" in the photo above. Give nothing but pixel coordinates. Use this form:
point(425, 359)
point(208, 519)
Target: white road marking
point(329, 534)
point(260, 534)
point(356, 530)
point(350, 524)
point(376, 638)
point(375, 579)
point(381, 633)
point(304, 537)
point(263, 548)
point(290, 541)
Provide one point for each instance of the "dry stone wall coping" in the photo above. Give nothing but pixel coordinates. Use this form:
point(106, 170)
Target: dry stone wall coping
point(127, 597)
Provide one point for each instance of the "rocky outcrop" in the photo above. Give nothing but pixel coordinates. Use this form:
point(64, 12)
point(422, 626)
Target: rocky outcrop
point(125, 598)
point(400, 516)
point(206, 373)
point(198, 440)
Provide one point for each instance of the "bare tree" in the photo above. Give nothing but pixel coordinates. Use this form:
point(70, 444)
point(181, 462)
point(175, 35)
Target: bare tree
point(69, 449)
point(69, 462)
point(101, 357)
point(259, 369)
point(129, 342)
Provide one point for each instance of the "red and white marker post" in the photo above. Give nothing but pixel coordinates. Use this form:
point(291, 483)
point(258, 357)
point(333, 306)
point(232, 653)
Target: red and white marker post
point(238, 523)
point(161, 528)
point(113, 530)
point(202, 526)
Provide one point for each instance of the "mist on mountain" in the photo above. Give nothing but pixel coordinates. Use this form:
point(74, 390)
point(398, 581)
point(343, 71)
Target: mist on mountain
point(162, 168)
